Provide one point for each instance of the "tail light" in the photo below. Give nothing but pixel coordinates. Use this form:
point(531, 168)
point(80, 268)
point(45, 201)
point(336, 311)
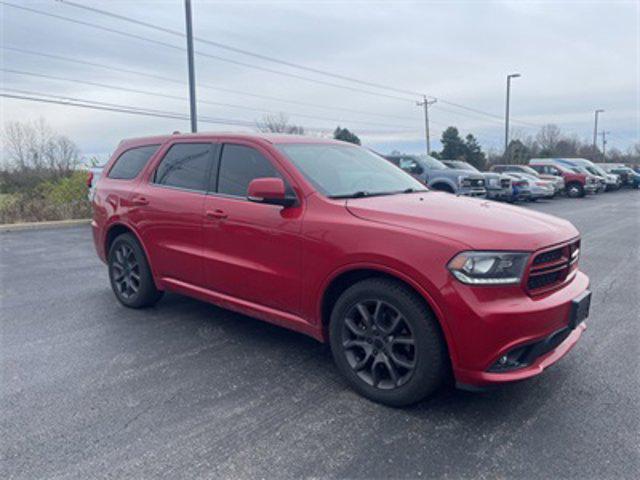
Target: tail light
point(89, 179)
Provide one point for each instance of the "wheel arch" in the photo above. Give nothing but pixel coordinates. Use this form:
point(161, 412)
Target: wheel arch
point(439, 183)
point(118, 228)
point(347, 277)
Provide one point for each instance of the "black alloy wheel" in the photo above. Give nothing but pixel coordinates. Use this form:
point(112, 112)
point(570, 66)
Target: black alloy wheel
point(125, 271)
point(130, 275)
point(379, 344)
point(387, 343)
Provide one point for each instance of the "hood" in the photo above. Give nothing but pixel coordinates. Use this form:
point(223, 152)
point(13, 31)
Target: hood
point(480, 224)
point(464, 173)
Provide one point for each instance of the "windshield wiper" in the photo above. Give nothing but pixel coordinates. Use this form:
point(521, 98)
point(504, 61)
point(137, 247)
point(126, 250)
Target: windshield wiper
point(358, 194)
point(364, 193)
point(413, 190)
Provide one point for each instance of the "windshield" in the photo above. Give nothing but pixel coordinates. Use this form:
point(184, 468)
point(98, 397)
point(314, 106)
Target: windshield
point(598, 170)
point(460, 165)
point(432, 163)
point(529, 171)
point(348, 171)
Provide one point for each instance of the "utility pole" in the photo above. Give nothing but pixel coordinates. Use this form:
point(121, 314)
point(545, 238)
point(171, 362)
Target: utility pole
point(604, 144)
point(425, 103)
point(192, 73)
point(595, 133)
point(506, 116)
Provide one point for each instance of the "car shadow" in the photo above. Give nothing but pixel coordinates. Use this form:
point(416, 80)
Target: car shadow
point(299, 352)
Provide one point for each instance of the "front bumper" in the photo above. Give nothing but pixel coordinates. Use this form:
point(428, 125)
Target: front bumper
point(487, 325)
point(472, 192)
point(591, 188)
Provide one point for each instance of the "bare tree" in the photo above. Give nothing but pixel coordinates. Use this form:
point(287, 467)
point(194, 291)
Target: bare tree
point(548, 137)
point(278, 124)
point(36, 146)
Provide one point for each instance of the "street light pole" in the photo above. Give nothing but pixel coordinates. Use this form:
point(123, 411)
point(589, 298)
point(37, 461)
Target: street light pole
point(425, 103)
point(595, 133)
point(506, 117)
point(604, 145)
point(192, 73)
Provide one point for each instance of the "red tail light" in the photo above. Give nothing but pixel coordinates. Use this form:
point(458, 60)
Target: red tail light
point(89, 179)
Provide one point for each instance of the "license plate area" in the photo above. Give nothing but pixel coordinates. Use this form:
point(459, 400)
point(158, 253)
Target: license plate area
point(579, 309)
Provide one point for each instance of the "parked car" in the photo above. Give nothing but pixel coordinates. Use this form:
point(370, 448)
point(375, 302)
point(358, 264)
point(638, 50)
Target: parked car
point(498, 186)
point(539, 188)
point(558, 182)
point(437, 176)
point(606, 180)
point(331, 240)
point(521, 188)
point(576, 184)
point(93, 176)
point(628, 177)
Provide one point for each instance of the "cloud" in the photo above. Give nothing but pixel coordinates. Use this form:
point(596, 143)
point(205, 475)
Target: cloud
point(573, 56)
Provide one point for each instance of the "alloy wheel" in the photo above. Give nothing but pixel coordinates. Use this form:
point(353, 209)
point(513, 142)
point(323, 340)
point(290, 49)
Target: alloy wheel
point(378, 344)
point(125, 271)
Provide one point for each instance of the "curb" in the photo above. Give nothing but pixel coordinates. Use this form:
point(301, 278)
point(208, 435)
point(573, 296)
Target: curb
point(16, 227)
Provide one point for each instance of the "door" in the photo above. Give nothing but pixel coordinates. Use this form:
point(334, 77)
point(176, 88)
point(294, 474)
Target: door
point(252, 250)
point(170, 211)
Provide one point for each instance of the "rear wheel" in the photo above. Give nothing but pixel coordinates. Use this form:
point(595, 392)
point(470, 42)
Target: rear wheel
point(575, 190)
point(130, 275)
point(386, 342)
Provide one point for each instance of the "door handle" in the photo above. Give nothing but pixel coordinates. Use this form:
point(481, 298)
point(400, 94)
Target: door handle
point(140, 201)
point(216, 214)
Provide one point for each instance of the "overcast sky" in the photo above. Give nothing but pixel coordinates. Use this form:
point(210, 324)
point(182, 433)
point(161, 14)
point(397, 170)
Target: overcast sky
point(574, 57)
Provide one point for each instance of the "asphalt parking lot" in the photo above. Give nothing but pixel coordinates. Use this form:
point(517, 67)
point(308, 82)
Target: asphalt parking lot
point(187, 390)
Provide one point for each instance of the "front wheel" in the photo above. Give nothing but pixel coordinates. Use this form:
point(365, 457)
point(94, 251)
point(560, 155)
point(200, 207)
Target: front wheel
point(130, 275)
point(386, 342)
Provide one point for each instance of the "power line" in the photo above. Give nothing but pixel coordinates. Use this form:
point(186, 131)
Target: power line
point(201, 85)
point(240, 50)
point(285, 62)
point(243, 64)
point(119, 108)
point(203, 54)
point(181, 98)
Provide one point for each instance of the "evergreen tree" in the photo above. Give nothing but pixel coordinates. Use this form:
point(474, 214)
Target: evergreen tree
point(345, 135)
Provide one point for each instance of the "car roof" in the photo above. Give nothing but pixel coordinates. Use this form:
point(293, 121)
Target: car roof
point(272, 138)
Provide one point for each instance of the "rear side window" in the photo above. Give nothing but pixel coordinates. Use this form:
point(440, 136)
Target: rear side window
point(186, 165)
point(130, 163)
point(238, 166)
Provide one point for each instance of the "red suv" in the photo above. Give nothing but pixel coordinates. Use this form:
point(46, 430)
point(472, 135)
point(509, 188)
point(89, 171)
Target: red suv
point(407, 285)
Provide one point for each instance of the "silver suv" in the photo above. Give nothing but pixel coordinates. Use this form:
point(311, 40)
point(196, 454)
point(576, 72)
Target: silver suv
point(437, 176)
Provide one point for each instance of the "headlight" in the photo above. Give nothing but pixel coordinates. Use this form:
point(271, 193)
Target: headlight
point(488, 268)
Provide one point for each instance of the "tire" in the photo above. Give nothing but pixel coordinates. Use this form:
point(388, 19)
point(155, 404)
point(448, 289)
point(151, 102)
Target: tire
point(442, 187)
point(130, 275)
point(401, 357)
point(575, 190)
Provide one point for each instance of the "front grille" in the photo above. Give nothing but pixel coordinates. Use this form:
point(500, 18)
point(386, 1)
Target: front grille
point(477, 183)
point(549, 256)
point(551, 268)
point(505, 183)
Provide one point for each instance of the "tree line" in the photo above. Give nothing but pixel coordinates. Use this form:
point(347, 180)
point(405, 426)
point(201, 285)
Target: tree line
point(549, 141)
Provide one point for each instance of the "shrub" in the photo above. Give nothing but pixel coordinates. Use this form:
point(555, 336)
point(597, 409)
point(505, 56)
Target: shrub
point(65, 198)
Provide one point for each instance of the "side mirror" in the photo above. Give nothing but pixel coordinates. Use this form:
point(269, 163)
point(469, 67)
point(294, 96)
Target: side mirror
point(269, 190)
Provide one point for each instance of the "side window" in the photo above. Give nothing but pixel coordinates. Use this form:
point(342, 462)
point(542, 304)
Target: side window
point(538, 168)
point(553, 171)
point(410, 165)
point(186, 165)
point(130, 163)
point(238, 166)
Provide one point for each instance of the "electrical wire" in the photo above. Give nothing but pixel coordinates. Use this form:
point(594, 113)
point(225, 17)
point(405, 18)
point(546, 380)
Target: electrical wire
point(200, 85)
